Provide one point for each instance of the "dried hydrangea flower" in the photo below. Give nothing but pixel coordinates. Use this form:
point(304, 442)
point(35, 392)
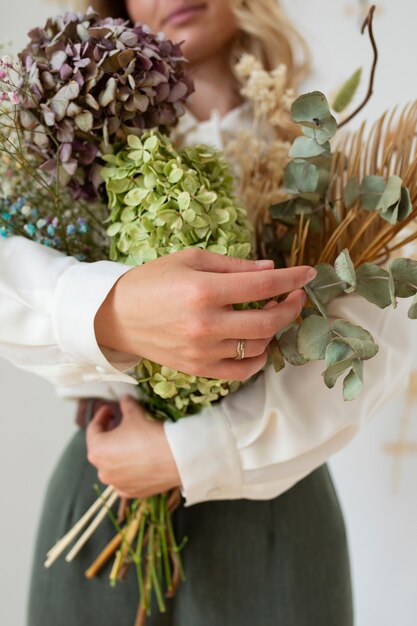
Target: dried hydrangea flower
point(88, 83)
point(163, 200)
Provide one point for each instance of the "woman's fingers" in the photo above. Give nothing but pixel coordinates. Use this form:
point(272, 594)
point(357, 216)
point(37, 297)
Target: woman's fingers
point(206, 261)
point(251, 286)
point(261, 323)
point(231, 369)
point(253, 348)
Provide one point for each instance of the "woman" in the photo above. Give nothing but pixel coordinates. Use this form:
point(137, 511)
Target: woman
point(252, 557)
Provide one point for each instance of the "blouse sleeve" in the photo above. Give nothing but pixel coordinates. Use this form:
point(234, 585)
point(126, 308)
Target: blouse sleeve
point(48, 302)
point(261, 440)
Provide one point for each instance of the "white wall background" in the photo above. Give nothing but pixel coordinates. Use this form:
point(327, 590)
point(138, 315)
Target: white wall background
point(382, 523)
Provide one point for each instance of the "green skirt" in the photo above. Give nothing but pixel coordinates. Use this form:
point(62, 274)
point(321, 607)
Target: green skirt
point(280, 562)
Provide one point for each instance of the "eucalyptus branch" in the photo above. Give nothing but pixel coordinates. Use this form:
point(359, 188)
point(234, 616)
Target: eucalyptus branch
point(368, 23)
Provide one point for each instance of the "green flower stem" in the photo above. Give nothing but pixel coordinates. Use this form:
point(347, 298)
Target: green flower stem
point(175, 550)
point(164, 513)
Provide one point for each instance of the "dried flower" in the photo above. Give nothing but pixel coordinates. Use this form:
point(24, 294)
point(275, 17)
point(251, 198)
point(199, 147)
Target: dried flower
point(13, 97)
point(88, 83)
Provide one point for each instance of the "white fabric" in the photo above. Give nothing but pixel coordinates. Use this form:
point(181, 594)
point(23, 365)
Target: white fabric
point(256, 443)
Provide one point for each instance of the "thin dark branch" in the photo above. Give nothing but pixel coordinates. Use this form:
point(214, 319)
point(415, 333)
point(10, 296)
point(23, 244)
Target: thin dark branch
point(368, 23)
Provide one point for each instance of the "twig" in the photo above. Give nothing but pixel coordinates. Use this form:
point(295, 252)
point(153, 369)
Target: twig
point(368, 23)
point(60, 546)
point(104, 556)
point(92, 528)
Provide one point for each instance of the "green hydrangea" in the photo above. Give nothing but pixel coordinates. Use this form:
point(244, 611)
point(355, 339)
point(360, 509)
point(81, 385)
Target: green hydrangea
point(163, 200)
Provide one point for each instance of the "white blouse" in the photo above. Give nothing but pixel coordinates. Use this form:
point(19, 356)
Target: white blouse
point(255, 443)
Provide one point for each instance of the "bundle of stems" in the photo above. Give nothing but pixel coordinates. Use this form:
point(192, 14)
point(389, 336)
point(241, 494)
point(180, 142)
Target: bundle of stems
point(144, 537)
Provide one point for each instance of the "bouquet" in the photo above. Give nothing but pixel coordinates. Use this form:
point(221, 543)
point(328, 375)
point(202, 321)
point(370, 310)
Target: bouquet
point(87, 112)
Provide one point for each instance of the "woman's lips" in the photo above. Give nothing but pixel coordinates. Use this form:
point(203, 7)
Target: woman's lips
point(184, 14)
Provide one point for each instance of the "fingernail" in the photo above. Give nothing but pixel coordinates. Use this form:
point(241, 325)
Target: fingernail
point(304, 299)
point(311, 273)
point(264, 264)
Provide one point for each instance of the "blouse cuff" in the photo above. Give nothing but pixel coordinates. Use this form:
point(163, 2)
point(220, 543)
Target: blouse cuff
point(80, 291)
point(206, 456)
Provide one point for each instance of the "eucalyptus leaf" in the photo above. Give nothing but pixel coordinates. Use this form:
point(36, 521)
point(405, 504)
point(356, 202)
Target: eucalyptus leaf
point(390, 198)
point(352, 386)
point(325, 287)
point(404, 273)
point(289, 347)
point(300, 176)
point(351, 192)
point(284, 211)
point(412, 311)
point(312, 112)
point(357, 338)
point(313, 336)
point(345, 270)
point(337, 350)
point(316, 301)
point(276, 356)
point(306, 147)
point(332, 373)
point(372, 284)
point(391, 287)
point(372, 189)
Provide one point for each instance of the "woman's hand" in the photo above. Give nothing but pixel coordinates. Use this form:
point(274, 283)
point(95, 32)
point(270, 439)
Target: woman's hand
point(177, 311)
point(134, 457)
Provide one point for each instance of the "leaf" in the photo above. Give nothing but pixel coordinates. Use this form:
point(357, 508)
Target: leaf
point(351, 192)
point(84, 121)
point(289, 348)
point(109, 92)
point(353, 383)
point(114, 229)
point(357, 338)
point(390, 198)
point(135, 196)
point(337, 350)
point(175, 175)
point(412, 311)
point(347, 92)
point(165, 389)
point(325, 287)
point(404, 274)
point(391, 287)
point(301, 177)
point(332, 373)
point(307, 147)
point(316, 301)
point(184, 200)
point(134, 142)
point(313, 336)
point(312, 112)
point(276, 356)
point(372, 284)
point(345, 270)
point(371, 191)
point(208, 197)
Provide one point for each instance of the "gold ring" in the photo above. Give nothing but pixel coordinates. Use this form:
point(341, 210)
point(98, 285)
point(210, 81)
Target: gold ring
point(240, 350)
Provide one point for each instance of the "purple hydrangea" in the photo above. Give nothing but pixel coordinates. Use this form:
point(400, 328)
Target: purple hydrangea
point(88, 83)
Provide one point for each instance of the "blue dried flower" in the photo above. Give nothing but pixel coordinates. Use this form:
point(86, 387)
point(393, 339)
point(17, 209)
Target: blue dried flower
point(30, 229)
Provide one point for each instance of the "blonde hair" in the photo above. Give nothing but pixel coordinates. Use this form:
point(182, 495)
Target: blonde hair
point(264, 31)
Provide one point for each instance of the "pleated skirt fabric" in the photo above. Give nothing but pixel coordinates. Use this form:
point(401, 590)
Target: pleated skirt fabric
point(280, 562)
